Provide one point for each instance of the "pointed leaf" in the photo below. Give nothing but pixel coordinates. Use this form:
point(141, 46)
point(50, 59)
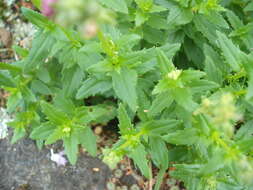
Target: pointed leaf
point(125, 124)
point(124, 85)
point(71, 148)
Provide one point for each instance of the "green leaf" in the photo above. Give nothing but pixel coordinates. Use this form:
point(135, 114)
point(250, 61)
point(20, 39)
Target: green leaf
point(40, 87)
point(158, 22)
point(9, 67)
point(125, 124)
point(40, 144)
point(124, 85)
point(53, 114)
point(140, 18)
point(179, 16)
point(43, 75)
point(43, 131)
point(139, 156)
point(116, 5)
point(249, 7)
point(245, 131)
point(154, 36)
point(234, 20)
point(71, 148)
point(92, 87)
point(19, 132)
point(230, 51)
point(159, 152)
point(20, 51)
point(202, 85)
point(41, 47)
point(164, 63)
point(37, 3)
point(187, 136)
point(13, 101)
point(71, 80)
point(183, 97)
point(213, 72)
point(158, 127)
point(157, 9)
point(100, 113)
point(6, 80)
point(88, 140)
point(64, 104)
point(160, 102)
point(27, 94)
point(37, 19)
point(56, 135)
point(207, 28)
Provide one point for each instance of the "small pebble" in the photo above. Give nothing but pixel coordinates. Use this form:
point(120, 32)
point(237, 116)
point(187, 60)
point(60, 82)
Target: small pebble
point(118, 173)
point(5, 37)
point(98, 130)
point(96, 169)
point(110, 186)
point(171, 182)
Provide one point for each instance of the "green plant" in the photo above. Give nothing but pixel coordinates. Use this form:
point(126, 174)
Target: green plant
point(178, 75)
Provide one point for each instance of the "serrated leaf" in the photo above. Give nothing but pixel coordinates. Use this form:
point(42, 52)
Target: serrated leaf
point(116, 5)
point(125, 124)
point(139, 157)
point(41, 46)
point(124, 85)
point(92, 87)
point(164, 63)
point(140, 18)
point(158, 127)
point(183, 97)
point(72, 79)
point(37, 19)
point(230, 51)
point(187, 136)
point(160, 102)
point(207, 28)
point(179, 16)
point(213, 72)
point(88, 140)
point(159, 152)
point(202, 85)
point(53, 114)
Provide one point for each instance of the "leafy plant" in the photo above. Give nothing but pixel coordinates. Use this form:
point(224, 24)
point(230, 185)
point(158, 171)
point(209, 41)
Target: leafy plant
point(176, 74)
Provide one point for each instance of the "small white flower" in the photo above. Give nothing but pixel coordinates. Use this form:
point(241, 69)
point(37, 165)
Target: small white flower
point(58, 158)
point(174, 74)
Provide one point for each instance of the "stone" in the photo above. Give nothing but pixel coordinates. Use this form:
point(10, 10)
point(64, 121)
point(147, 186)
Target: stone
point(22, 165)
point(5, 37)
